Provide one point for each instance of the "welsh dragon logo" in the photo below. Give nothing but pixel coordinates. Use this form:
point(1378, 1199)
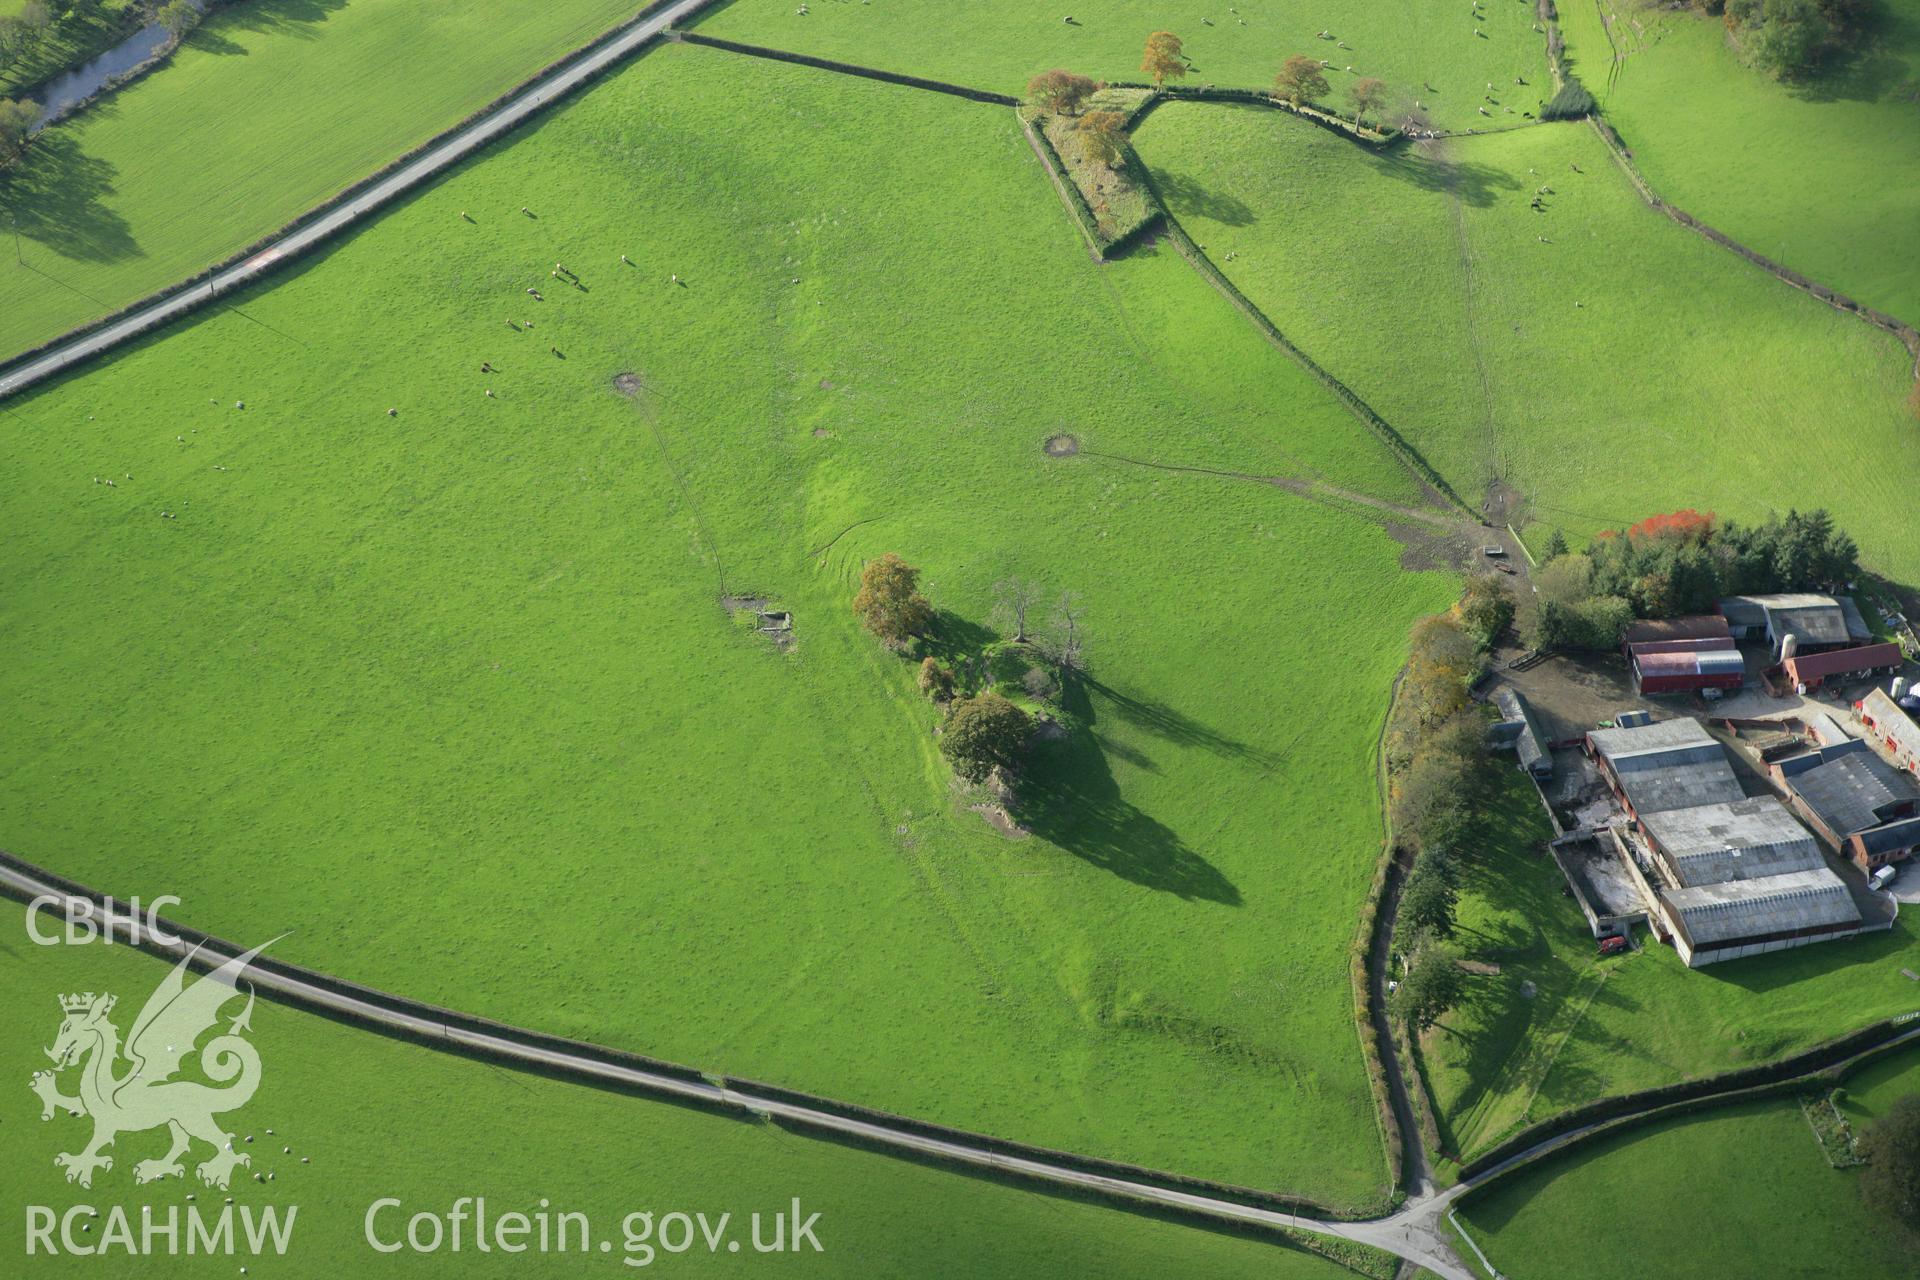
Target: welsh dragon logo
point(145, 1094)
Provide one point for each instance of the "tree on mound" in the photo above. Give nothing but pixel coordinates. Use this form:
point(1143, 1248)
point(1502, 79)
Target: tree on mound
point(1890, 1183)
point(1061, 90)
point(1162, 59)
point(1100, 135)
point(983, 733)
point(1301, 80)
point(889, 601)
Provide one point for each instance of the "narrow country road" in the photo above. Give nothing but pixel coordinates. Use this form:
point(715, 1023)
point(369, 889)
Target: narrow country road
point(1415, 1233)
point(464, 142)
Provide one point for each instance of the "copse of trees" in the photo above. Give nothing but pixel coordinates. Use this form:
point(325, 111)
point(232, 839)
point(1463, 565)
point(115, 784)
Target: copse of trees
point(22, 33)
point(1061, 90)
point(1162, 58)
point(1301, 80)
point(889, 602)
point(1678, 563)
point(179, 17)
point(1890, 1182)
point(1789, 39)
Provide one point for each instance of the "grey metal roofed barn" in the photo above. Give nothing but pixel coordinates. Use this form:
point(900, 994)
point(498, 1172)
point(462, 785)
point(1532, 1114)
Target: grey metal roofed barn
point(1739, 840)
point(1518, 728)
point(1670, 764)
point(1817, 620)
point(1752, 914)
point(1855, 791)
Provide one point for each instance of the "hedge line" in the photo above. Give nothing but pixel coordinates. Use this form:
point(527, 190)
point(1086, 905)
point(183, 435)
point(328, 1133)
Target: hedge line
point(1366, 936)
point(1070, 193)
point(847, 68)
point(1712, 1088)
point(1359, 408)
point(1345, 125)
point(343, 196)
point(1908, 335)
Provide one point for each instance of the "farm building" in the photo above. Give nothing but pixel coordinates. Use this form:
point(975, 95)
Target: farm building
point(1892, 727)
point(1890, 842)
point(1705, 626)
point(1669, 764)
point(1843, 793)
point(1811, 670)
point(1681, 646)
point(1815, 621)
point(1691, 671)
point(1736, 840)
point(1749, 917)
point(1517, 729)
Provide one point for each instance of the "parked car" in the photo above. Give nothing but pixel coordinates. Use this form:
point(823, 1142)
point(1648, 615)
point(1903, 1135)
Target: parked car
point(1612, 946)
point(1882, 878)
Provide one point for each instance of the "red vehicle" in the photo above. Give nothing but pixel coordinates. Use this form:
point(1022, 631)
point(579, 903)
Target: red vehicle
point(1613, 946)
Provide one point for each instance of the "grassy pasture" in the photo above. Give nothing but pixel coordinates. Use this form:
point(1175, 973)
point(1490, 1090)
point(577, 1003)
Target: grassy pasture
point(1001, 44)
point(268, 108)
point(1742, 1191)
point(1815, 175)
point(479, 644)
point(1588, 355)
point(382, 1118)
point(1594, 1026)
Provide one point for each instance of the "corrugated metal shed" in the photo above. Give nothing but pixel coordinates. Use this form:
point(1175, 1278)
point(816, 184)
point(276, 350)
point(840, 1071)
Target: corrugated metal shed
point(1681, 646)
point(1854, 791)
point(1669, 764)
point(1738, 840)
point(1764, 907)
point(1529, 743)
point(1649, 745)
point(1857, 628)
point(1891, 837)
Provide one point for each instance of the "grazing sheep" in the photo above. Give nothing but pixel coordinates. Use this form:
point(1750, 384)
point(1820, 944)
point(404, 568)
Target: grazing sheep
point(391, 413)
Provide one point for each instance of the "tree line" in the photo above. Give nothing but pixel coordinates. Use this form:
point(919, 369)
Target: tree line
point(1794, 39)
point(1680, 562)
point(1440, 775)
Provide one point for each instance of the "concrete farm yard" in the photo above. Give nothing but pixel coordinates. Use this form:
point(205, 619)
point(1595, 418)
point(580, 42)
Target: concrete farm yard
point(471, 595)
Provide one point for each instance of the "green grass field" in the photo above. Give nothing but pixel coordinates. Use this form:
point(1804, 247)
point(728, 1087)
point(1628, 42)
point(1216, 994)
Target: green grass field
point(1422, 50)
point(1590, 356)
point(379, 1118)
point(451, 693)
point(268, 109)
point(1809, 174)
point(1595, 1027)
point(1743, 1191)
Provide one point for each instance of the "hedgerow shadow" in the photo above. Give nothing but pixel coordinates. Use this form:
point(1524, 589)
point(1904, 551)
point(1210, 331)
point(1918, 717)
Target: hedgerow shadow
point(1185, 192)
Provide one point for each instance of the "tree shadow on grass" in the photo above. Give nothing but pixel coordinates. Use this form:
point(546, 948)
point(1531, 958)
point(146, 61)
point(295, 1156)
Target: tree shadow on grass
point(1185, 192)
point(1870, 69)
point(296, 18)
point(1478, 185)
point(1163, 721)
point(1073, 801)
point(57, 196)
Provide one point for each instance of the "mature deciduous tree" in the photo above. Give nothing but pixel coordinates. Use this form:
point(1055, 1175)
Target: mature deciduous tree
point(1434, 984)
point(1101, 136)
point(889, 601)
point(1162, 59)
point(1368, 93)
point(1301, 80)
point(1061, 90)
point(983, 733)
point(1890, 1183)
point(16, 119)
